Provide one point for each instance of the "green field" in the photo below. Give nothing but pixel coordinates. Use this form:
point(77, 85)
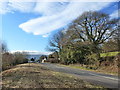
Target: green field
point(109, 54)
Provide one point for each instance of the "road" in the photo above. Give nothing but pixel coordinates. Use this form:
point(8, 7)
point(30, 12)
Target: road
point(108, 81)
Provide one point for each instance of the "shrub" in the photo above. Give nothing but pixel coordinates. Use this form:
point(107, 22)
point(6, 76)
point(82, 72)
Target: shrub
point(9, 60)
point(91, 60)
point(52, 60)
point(20, 58)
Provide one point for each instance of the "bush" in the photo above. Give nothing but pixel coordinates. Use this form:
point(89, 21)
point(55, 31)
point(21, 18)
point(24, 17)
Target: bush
point(92, 60)
point(110, 60)
point(9, 60)
point(52, 60)
point(20, 58)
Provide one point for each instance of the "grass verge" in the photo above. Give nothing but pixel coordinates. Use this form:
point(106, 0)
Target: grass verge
point(37, 76)
point(84, 67)
point(109, 54)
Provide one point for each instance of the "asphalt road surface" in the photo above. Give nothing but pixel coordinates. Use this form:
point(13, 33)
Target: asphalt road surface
point(108, 81)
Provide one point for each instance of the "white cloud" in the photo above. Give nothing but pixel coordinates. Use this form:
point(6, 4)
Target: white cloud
point(62, 0)
point(13, 5)
point(52, 19)
point(4, 7)
point(21, 6)
point(46, 24)
point(115, 14)
point(32, 52)
point(55, 15)
point(47, 8)
point(46, 35)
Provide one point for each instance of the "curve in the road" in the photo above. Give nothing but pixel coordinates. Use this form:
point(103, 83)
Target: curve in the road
point(108, 81)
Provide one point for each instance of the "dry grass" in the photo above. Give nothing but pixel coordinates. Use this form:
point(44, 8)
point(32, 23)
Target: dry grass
point(37, 76)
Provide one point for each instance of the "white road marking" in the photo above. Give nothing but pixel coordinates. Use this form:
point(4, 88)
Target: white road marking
point(103, 76)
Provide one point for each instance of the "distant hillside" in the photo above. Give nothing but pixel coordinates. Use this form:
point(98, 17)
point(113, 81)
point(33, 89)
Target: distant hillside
point(34, 56)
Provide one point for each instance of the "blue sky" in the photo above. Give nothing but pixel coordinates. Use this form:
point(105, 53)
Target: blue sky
point(16, 38)
point(29, 25)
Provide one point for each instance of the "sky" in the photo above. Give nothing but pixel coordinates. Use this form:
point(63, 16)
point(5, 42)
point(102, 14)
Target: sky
point(28, 25)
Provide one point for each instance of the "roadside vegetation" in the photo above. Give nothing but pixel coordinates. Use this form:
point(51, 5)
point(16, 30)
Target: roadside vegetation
point(92, 41)
point(8, 59)
point(109, 54)
point(38, 76)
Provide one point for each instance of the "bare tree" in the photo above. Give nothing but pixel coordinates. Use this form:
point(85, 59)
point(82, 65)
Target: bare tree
point(3, 46)
point(94, 27)
point(116, 37)
point(55, 44)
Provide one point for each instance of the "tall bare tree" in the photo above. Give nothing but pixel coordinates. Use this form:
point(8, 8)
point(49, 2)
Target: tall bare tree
point(95, 28)
point(55, 44)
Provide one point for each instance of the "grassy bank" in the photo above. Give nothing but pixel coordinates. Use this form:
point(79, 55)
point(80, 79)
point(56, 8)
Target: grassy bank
point(110, 69)
point(104, 70)
point(37, 76)
point(109, 54)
